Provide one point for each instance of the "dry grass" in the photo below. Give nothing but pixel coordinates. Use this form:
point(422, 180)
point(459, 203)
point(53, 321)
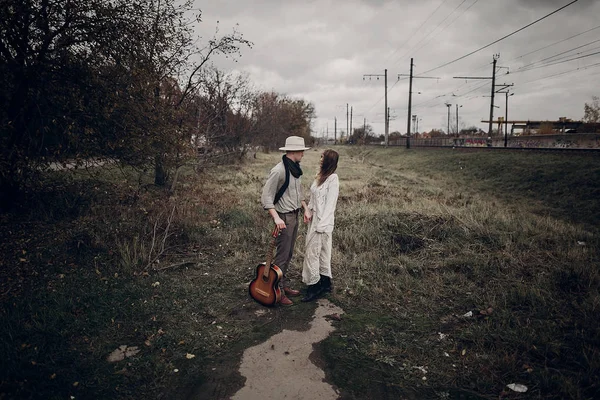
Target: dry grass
point(421, 238)
point(417, 251)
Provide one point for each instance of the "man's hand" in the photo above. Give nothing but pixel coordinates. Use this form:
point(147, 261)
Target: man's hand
point(307, 215)
point(277, 219)
point(279, 222)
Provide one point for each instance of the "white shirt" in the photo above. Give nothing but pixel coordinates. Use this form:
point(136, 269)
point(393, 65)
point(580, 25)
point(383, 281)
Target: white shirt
point(323, 200)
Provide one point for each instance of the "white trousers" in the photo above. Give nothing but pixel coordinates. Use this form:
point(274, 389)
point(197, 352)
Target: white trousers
point(317, 255)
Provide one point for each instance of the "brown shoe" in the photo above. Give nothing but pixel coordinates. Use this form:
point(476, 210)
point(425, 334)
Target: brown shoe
point(285, 301)
point(291, 292)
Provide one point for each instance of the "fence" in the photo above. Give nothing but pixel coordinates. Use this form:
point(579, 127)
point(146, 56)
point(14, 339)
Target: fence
point(567, 141)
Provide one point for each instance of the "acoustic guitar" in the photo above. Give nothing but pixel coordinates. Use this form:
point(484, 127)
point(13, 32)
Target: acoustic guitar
point(265, 287)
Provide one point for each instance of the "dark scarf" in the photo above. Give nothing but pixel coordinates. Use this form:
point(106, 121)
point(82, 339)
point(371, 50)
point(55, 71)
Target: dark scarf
point(291, 166)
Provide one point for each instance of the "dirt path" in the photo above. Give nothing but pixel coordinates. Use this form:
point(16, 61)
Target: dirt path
point(280, 367)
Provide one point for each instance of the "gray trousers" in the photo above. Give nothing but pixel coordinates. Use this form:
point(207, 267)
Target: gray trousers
point(285, 244)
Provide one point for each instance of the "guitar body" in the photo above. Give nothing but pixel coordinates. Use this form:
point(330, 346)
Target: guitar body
point(265, 289)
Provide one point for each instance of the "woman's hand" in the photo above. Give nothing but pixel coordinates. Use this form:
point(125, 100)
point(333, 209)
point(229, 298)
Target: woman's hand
point(307, 216)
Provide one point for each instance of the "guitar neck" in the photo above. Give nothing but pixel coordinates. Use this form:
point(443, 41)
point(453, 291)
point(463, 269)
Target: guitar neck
point(270, 253)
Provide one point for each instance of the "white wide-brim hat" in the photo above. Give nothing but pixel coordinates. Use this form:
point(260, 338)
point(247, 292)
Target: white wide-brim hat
point(294, 143)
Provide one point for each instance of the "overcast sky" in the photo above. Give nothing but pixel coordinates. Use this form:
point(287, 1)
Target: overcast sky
point(319, 51)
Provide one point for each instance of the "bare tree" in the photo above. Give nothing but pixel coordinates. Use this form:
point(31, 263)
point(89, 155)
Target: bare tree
point(592, 111)
point(275, 117)
point(97, 78)
point(224, 107)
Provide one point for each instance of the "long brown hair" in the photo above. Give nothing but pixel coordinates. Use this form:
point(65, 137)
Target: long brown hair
point(328, 166)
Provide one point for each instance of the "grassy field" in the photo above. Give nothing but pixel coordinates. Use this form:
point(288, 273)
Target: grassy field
point(459, 272)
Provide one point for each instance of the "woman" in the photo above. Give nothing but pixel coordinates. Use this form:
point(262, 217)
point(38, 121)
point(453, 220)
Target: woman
point(316, 272)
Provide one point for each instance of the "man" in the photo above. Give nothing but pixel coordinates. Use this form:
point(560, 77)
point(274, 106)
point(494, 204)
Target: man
point(282, 197)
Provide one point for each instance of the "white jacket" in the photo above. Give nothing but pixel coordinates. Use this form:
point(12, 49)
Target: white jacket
point(323, 200)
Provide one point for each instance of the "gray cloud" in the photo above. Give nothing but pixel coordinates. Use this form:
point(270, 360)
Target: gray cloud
point(554, 4)
point(320, 50)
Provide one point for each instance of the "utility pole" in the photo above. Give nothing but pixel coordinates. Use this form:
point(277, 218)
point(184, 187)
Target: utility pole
point(417, 126)
point(506, 120)
point(457, 107)
point(493, 78)
point(409, 104)
point(448, 131)
point(387, 120)
point(350, 132)
point(507, 93)
point(386, 107)
point(364, 131)
point(347, 126)
point(496, 56)
point(410, 98)
point(334, 130)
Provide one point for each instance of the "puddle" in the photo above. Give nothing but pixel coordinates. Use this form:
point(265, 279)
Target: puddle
point(280, 367)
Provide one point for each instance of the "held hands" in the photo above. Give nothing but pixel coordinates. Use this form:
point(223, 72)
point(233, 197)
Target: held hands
point(307, 216)
point(279, 222)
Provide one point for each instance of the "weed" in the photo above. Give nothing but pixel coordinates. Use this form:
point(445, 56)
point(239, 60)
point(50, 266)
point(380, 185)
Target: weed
point(472, 278)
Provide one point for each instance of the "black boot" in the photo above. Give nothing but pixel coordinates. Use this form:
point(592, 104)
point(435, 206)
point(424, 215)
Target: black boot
point(325, 284)
point(312, 292)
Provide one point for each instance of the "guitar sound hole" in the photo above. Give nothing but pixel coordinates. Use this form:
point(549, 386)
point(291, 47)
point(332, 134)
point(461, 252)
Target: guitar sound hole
point(265, 279)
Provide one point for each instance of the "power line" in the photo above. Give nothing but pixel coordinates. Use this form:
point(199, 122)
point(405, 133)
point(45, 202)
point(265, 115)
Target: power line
point(502, 38)
point(469, 54)
point(382, 97)
point(403, 44)
point(386, 100)
point(444, 28)
point(433, 30)
point(559, 62)
point(423, 105)
point(458, 88)
point(470, 87)
point(452, 22)
point(392, 87)
point(417, 30)
point(466, 83)
point(552, 62)
point(562, 73)
point(556, 55)
point(474, 86)
point(555, 43)
point(471, 91)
